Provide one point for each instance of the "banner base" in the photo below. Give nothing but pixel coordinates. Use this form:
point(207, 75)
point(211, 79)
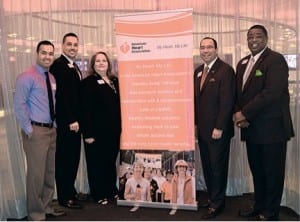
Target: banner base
point(158, 205)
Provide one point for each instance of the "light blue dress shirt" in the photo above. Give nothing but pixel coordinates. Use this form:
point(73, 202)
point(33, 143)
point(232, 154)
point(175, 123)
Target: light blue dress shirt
point(31, 97)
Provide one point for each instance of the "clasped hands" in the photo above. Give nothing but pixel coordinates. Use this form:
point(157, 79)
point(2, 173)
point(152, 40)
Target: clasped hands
point(240, 120)
point(74, 126)
point(89, 140)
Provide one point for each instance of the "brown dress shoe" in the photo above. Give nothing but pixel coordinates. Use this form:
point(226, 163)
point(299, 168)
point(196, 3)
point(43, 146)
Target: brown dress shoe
point(56, 213)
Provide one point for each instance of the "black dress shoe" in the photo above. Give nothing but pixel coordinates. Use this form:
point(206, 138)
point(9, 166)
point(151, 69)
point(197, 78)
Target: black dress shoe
point(265, 218)
point(81, 197)
point(205, 204)
point(56, 213)
point(72, 204)
point(249, 212)
point(212, 213)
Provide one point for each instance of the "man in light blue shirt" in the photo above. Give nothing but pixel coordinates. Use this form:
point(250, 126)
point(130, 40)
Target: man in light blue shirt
point(34, 108)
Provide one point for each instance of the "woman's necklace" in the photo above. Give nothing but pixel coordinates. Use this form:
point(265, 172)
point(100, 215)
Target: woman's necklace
point(109, 82)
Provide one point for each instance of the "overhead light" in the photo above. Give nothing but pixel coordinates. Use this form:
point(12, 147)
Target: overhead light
point(30, 38)
point(13, 49)
point(27, 51)
point(2, 113)
point(12, 35)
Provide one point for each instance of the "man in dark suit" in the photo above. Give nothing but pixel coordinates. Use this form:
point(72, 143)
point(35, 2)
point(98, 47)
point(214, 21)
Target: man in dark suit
point(263, 114)
point(214, 102)
point(68, 141)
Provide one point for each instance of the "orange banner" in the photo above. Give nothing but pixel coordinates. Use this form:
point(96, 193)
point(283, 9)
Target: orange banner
point(156, 80)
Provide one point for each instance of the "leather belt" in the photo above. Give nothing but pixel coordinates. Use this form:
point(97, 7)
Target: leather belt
point(48, 125)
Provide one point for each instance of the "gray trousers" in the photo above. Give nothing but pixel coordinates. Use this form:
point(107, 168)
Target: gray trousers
point(40, 179)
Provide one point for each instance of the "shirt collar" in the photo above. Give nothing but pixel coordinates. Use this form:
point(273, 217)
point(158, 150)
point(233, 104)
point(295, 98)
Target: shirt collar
point(258, 55)
point(68, 58)
point(211, 63)
point(40, 69)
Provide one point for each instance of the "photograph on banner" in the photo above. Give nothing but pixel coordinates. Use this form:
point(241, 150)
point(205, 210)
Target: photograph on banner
point(157, 176)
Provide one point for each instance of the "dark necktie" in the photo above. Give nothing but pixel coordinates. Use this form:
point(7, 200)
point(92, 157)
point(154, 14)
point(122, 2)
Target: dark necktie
point(204, 75)
point(50, 96)
point(77, 70)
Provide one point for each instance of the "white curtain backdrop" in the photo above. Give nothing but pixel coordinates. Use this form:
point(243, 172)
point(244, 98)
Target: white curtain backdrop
point(24, 23)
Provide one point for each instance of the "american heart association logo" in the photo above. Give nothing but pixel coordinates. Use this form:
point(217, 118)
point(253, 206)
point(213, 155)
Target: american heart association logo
point(124, 47)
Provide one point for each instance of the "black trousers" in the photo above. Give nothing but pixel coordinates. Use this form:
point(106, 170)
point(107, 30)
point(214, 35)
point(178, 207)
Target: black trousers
point(267, 165)
point(68, 144)
point(215, 156)
point(101, 166)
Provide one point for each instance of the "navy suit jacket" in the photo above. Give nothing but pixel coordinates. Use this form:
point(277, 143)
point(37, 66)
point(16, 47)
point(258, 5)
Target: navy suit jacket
point(215, 102)
point(265, 99)
point(67, 93)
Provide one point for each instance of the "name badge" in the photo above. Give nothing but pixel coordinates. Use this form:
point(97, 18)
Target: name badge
point(100, 81)
point(70, 65)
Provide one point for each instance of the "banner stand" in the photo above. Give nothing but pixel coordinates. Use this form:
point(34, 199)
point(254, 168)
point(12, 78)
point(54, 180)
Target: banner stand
point(155, 70)
point(158, 205)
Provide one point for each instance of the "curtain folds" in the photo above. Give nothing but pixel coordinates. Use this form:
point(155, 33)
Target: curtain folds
point(24, 23)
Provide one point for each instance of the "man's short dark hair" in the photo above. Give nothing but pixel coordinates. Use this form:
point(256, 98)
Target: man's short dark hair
point(261, 27)
point(44, 42)
point(69, 34)
point(215, 42)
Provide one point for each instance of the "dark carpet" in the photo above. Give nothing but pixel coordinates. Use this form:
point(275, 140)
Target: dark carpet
point(112, 212)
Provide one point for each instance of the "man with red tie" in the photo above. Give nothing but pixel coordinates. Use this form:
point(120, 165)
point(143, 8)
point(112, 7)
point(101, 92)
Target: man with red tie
point(214, 83)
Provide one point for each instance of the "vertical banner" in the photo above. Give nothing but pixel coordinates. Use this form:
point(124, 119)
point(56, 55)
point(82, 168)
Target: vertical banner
point(155, 68)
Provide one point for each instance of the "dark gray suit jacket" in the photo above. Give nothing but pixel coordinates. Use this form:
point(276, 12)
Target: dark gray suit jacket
point(214, 103)
point(265, 99)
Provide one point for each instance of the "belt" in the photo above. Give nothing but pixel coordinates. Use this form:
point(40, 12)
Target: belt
point(48, 125)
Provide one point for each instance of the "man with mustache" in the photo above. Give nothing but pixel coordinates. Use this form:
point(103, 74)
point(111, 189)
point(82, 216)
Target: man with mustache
point(262, 112)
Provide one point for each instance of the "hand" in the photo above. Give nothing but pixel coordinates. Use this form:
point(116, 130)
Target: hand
point(238, 116)
point(29, 135)
point(89, 140)
point(243, 124)
point(74, 126)
point(216, 134)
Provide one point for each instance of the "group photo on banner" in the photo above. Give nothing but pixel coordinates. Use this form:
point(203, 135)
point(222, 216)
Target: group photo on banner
point(155, 70)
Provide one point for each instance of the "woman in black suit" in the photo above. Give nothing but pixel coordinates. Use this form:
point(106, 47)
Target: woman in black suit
point(101, 127)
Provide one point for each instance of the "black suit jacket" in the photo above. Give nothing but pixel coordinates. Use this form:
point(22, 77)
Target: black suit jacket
point(265, 99)
point(214, 103)
point(68, 91)
point(101, 113)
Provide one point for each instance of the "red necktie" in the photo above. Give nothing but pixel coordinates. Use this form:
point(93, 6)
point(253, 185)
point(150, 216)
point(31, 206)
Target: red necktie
point(77, 70)
point(204, 75)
